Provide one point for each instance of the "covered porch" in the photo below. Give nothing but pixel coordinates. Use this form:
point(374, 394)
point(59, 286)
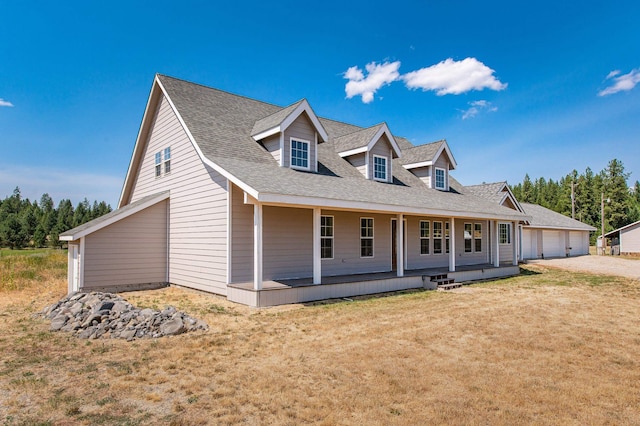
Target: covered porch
point(286, 291)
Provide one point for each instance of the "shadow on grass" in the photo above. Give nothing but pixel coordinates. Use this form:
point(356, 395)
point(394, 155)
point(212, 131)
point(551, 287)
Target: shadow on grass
point(527, 272)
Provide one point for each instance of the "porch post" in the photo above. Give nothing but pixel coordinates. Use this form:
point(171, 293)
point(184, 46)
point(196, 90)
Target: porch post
point(452, 245)
point(257, 246)
point(317, 256)
point(400, 242)
point(496, 244)
point(516, 242)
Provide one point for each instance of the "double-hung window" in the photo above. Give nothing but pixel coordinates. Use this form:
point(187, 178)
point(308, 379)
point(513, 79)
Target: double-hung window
point(158, 164)
point(326, 237)
point(379, 168)
point(299, 154)
point(477, 237)
point(167, 160)
point(468, 238)
point(504, 233)
point(425, 234)
point(437, 237)
point(446, 237)
point(366, 237)
point(440, 179)
point(163, 158)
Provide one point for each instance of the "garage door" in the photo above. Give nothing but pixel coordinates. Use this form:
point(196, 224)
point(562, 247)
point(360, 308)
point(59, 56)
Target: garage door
point(553, 244)
point(529, 244)
point(579, 242)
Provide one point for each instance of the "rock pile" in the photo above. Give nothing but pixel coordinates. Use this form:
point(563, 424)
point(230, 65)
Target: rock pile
point(105, 315)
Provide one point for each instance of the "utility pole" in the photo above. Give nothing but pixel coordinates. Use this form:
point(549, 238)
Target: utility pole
point(604, 241)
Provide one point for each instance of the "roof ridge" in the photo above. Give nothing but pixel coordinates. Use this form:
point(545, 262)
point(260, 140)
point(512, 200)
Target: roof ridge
point(362, 129)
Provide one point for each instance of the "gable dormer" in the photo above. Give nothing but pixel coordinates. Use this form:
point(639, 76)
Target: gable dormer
point(371, 151)
point(292, 135)
point(431, 163)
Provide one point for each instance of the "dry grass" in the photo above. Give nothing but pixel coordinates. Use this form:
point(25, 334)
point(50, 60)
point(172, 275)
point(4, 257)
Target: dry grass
point(548, 347)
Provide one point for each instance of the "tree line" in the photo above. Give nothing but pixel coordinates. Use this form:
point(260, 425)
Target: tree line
point(621, 201)
point(38, 224)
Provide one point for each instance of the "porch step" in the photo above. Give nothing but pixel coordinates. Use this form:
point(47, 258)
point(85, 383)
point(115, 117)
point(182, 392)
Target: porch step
point(443, 282)
point(449, 286)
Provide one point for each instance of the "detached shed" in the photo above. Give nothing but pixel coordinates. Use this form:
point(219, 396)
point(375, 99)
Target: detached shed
point(627, 239)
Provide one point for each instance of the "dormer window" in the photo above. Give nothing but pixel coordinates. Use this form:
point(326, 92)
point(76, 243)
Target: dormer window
point(440, 178)
point(380, 168)
point(299, 154)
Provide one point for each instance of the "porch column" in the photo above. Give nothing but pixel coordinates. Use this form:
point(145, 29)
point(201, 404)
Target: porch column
point(496, 244)
point(257, 246)
point(400, 242)
point(317, 256)
point(452, 245)
point(516, 242)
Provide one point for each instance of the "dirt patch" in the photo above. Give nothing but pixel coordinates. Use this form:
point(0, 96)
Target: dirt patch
point(603, 265)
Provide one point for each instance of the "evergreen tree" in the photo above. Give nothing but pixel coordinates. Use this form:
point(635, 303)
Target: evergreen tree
point(616, 190)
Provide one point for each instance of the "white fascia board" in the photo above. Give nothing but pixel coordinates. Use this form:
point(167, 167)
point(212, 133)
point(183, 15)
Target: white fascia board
point(353, 152)
point(384, 129)
point(116, 217)
point(333, 204)
point(416, 165)
point(558, 228)
point(513, 199)
point(445, 147)
point(134, 154)
point(267, 133)
point(204, 159)
point(305, 107)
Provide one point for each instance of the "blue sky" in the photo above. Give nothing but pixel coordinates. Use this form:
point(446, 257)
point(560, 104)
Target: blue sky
point(515, 87)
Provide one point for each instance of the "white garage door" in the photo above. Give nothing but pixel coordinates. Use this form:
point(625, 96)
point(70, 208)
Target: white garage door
point(579, 242)
point(529, 244)
point(553, 244)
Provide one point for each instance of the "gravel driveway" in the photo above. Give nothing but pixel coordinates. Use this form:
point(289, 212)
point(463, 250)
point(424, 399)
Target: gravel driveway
point(607, 265)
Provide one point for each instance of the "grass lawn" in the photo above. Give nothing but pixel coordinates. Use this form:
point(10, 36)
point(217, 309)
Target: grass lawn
point(547, 347)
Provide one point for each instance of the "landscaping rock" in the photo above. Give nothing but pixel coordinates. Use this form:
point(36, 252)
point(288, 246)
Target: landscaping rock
point(100, 315)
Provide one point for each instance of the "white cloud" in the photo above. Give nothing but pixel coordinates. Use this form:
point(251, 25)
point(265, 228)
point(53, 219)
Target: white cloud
point(621, 83)
point(454, 77)
point(476, 107)
point(378, 75)
point(4, 103)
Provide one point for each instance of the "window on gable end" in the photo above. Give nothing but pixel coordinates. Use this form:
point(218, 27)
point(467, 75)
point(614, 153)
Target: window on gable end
point(440, 178)
point(379, 168)
point(300, 154)
point(158, 164)
point(167, 160)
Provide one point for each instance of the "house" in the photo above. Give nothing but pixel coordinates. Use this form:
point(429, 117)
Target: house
point(269, 205)
point(626, 240)
point(548, 233)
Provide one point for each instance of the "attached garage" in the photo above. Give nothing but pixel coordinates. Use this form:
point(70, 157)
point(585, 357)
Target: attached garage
point(553, 244)
point(579, 243)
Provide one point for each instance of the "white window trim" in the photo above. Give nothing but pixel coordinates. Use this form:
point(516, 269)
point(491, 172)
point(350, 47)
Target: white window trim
point(157, 161)
point(165, 160)
point(444, 178)
point(447, 239)
point(464, 237)
point(386, 168)
point(291, 140)
point(333, 228)
point(474, 237)
point(428, 238)
point(508, 225)
point(443, 248)
point(372, 238)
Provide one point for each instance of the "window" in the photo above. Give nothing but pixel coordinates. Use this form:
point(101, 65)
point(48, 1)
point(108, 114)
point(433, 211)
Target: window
point(326, 237)
point(163, 157)
point(468, 238)
point(440, 178)
point(477, 237)
point(504, 231)
point(446, 237)
point(366, 237)
point(299, 154)
point(167, 160)
point(437, 237)
point(424, 236)
point(380, 168)
point(158, 164)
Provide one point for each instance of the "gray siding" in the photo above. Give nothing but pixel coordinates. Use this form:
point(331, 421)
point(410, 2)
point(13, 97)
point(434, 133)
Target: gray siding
point(272, 144)
point(381, 148)
point(287, 243)
point(346, 255)
point(197, 216)
point(474, 257)
point(424, 173)
point(241, 238)
point(630, 240)
point(130, 251)
point(359, 161)
point(506, 250)
point(301, 128)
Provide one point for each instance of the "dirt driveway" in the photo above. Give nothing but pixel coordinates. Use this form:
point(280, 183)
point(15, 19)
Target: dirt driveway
point(607, 265)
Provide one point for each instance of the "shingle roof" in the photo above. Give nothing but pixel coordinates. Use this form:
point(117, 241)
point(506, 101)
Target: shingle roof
point(421, 153)
point(490, 191)
point(221, 124)
point(542, 217)
point(273, 120)
point(358, 139)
